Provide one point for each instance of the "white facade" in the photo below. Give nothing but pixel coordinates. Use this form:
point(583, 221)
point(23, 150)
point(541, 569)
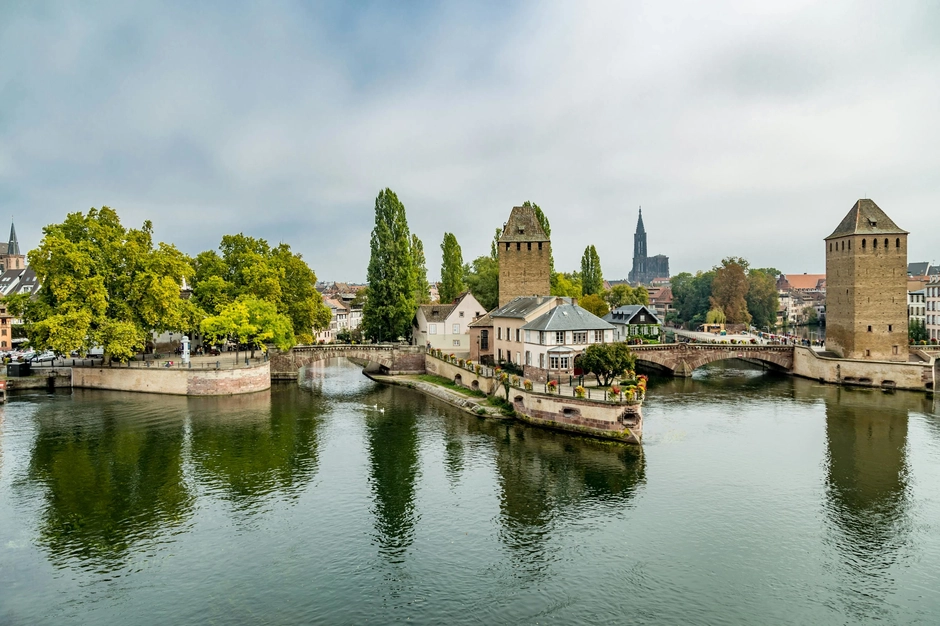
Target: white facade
point(555, 350)
point(917, 306)
point(932, 308)
point(446, 327)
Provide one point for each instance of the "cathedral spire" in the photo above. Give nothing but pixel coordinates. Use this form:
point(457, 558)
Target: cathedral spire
point(14, 246)
point(639, 223)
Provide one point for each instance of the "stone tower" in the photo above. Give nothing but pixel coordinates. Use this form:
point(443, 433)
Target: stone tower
point(10, 256)
point(646, 268)
point(866, 286)
point(525, 254)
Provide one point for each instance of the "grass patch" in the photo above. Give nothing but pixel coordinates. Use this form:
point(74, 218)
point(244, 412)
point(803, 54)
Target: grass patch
point(440, 381)
point(505, 407)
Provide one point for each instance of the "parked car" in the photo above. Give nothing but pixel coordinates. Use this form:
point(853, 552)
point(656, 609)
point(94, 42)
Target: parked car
point(45, 357)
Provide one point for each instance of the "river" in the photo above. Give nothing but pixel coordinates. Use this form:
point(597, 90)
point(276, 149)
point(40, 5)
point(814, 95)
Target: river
point(754, 499)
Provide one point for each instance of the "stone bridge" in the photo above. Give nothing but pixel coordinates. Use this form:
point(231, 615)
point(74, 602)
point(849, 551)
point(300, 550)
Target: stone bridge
point(389, 358)
point(683, 358)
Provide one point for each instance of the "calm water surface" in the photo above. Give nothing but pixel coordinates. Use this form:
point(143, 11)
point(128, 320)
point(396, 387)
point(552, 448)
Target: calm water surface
point(754, 500)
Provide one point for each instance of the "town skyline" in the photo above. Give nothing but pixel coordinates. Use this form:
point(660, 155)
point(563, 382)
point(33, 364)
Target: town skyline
point(746, 124)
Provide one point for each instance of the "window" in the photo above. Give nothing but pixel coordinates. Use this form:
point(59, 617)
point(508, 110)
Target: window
point(499, 332)
point(542, 361)
point(886, 243)
point(460, 314)
point(540, 245)
point(4, 332)
point(518, 335)
point(897, 242)
point(598, 336)
point(541, 337)
point(579, 336)
point(518, 245)
point(874, 244)
point(558, 362)
point(529, 245)
point(432, 329)
point(843, 244)
point(869, 329)
point(499, 354)
point(559, 337)
point(456, 329)
point(863, 244)
point(528, 358)
point(830, 246)
point(456, 343)
point(484, 340)
point(518, 359)
point(889, 328)
point(894, 349)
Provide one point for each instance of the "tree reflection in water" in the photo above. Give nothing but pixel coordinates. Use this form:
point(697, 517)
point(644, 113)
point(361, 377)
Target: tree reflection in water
point(111, 468)
point(246, 448)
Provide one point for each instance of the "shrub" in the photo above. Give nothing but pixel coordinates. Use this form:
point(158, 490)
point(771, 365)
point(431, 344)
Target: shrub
point(579, 391)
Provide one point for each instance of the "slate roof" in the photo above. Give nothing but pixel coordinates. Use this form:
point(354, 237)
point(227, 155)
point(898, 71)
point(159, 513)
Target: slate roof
point(917, 269)
point(625, 314)
point(866, 218)
point(484, 321)
point(436, 312)
point(567, 317)
point(521, 306)
point(523, 225)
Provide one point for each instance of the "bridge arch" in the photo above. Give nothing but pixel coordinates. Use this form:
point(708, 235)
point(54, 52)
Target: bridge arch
point(684, 358)
point(390, 358)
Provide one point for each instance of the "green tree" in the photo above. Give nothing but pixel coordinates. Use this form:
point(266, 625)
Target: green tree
point(104, 284)
point(422, 288)
point(691, 295)
point(567, 284)
point(482, 278)
point(729, 290)
point(391, 305)
point(595, 305)
point(252, 321)
point(917, 331)
point(762, 299)
point(452, 270)
point(623, 295)
point(607, 360)
point(716, 316)
point(592, 278)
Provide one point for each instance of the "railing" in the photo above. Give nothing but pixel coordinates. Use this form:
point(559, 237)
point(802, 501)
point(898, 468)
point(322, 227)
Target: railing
point(157, 362)
point(474, 368)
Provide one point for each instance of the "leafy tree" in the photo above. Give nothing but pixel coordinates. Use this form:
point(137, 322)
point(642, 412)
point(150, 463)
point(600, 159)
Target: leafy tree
point(810, 316)
point(494, 245)
point(452, 270)
point(391, 304)
point(595, 305)
point(252, 321)
point(729, 290)
point(762, 299)
point(592, 278)
point(360, 298)
point(482, 278)
point(567, 285)
point(917, 331)
point(104, 284)
point(691, 296)
point(716, 316)
point(623, 295)
point(607, 360)
point(423, 289)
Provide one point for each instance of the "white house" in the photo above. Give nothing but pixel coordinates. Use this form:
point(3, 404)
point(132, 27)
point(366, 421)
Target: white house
point(633, 320)
point(445, 326)
point(554, 339)
point(339, 320)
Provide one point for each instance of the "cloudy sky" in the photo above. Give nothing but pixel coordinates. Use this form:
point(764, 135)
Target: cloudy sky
point(741, 128)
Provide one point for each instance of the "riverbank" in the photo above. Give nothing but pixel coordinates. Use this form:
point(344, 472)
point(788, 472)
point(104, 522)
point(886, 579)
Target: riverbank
point(479, 406)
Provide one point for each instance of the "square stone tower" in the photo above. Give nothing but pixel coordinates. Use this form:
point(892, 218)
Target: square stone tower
point(866, 286)
point(524, 254)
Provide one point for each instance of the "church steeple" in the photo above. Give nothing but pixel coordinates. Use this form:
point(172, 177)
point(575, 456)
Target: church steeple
point(639, 240)
point(639, 224)
point(13, 248)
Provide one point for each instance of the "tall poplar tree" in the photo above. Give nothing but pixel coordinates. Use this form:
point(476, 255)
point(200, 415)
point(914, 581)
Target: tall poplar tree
point(387, 313)
point(592, 278)
point(422, 288)
point(452, 284)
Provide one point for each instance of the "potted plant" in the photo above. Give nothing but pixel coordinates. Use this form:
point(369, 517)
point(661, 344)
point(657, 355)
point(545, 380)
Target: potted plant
point(579, 391)
point(527, 384)
point(515, 381)
point(552, 386)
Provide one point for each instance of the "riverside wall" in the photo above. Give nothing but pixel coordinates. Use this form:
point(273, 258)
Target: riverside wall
point(887, 374)
point(434, 365)
point(590, 417)
point(172, 381)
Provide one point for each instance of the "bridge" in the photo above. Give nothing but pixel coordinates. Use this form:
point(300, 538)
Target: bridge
point(389, 358)
point(683, 358)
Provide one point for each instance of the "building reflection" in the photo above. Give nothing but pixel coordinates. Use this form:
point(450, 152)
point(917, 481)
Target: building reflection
point(250, 447)
point(546, 477)
point(392, 433)
point(867, 490)
point(111, 469)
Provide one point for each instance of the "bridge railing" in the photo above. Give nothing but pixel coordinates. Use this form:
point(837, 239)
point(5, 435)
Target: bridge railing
point(481, 370)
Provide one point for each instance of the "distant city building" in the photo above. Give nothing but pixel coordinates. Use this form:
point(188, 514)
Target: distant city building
point(798, 293)
point(932, 308)
point(525, 253)
point(10, 256)
point(917, 306)
point(922, 269)
point(646, 269)
point(866, 274)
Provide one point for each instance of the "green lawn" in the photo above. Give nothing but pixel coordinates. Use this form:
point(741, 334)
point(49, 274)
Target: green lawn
point(440, 381)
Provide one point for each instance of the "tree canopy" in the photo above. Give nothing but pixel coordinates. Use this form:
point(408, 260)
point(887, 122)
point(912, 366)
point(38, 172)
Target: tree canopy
point(762, 299)
point(623, 295)
point(595, 304)
point(482, 278)
point(391, 305)
point(607, 360)
point(422, 288)
point(105, 285)
point(729, 290)
point(252, 321)
point(592, 278)
point(566, 284)
point(452, 270)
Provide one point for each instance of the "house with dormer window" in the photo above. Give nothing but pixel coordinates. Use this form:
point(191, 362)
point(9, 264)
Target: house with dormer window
point(632, 321)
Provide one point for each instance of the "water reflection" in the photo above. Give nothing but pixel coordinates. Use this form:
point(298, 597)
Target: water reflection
point(549, 478)
point(110, 467)
point(248, 447)
point(392, 440)
point(867, 490)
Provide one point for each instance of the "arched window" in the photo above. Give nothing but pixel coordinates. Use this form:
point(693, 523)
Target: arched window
point(874, 244)
point(830, 246)
point(886, 243)
point(897, 242)
point(843, 244)
point(863, 244)
point(850, 244)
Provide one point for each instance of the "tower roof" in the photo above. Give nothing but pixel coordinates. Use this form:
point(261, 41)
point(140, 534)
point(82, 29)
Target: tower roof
point(14, 246)
point(523, 225)
point(866, 218)
point(639, 224)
